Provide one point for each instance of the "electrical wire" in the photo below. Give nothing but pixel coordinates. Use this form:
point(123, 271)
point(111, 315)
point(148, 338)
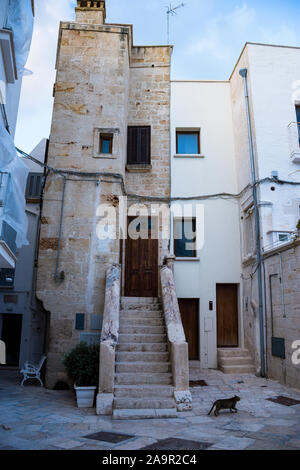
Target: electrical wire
point(118, 176)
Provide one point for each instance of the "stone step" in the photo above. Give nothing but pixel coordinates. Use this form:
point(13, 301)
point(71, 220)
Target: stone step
point(235, 361)
point(132, 303)
point(142, 338)
point(141, 314)
point(153, 402)
point(144, 414)
point(233, 352)
point(143, 378)
point(142, 347)
point(142, 391)
point(142, 356)
point(156, 367)
point(238, 369)
point(142, 330)
point(138, 321)
point(140, 300)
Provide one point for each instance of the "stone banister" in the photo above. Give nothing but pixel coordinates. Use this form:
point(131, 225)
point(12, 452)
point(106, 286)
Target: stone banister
point(108, 341)
point(176, 338)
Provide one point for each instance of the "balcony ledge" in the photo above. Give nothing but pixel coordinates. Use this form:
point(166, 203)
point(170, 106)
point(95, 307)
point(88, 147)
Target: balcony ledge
point(295, 157)
point(7, 258)
point(143, 168)
point(8, 53)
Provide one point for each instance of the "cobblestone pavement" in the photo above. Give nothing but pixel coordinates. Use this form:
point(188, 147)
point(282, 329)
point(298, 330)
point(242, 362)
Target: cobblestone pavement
point(37, 418)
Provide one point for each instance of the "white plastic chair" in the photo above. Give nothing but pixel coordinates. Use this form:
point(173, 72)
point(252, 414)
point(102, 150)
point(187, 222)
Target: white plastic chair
point(33, 371)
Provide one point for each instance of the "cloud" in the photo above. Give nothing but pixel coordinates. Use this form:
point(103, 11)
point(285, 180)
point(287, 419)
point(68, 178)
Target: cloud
point(284, 35)
point(217, 38)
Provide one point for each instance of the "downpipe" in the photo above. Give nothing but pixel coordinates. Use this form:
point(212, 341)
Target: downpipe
point(243, 73)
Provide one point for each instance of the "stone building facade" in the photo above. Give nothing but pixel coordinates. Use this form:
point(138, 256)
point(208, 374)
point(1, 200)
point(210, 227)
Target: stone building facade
point(104, 85)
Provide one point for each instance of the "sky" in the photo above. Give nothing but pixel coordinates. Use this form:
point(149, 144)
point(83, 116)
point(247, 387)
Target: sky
point(208, 36)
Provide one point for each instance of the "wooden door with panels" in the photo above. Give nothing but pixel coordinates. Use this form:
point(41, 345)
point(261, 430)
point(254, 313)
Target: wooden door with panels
point(141, 261)
point(189, 310)
point(227, 315)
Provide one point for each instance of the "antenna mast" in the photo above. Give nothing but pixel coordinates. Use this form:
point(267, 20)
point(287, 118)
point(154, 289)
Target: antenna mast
point(171, 11)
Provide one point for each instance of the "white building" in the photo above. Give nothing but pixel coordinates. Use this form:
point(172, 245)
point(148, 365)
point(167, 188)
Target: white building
point(210, 155)
point(271, 320)
point(16, 27)
point(204, 163)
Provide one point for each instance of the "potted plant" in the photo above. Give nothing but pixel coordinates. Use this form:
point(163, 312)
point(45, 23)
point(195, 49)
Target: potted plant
point(82, 364)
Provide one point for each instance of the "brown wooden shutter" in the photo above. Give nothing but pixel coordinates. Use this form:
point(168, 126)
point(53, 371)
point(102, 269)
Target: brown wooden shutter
point(139, 145)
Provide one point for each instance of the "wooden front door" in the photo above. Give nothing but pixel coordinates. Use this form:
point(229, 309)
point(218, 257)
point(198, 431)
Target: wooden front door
point(227, 315)
point(189, 310)
point(141, 265)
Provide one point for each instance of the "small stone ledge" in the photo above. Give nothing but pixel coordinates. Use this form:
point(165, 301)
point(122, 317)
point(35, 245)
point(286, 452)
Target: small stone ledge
point(183, 155)
point(188, 259)
point(138, 168)
point(105, 156)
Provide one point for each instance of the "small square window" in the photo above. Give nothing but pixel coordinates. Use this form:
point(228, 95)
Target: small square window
point(106, 144)
point(188, 142)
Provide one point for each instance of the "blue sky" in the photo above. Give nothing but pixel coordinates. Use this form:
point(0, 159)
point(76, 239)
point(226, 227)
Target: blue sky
point(208, 36)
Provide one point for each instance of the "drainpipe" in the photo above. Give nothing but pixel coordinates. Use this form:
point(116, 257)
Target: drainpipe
point(243, 74)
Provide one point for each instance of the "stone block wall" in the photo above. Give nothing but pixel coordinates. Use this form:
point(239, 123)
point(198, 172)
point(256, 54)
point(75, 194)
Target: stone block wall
point(103, 83)
point(286, 312)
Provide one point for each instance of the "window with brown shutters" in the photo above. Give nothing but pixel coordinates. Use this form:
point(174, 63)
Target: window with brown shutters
point(139, 145)
point(34, 187)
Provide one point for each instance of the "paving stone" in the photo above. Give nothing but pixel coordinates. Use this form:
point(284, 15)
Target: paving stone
point(44, 419)
point(233, 443)
point(244, 427)
point(68, 444)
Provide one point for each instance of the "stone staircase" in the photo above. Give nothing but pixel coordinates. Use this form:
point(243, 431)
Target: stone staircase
point(143, 378)
point(235, 361)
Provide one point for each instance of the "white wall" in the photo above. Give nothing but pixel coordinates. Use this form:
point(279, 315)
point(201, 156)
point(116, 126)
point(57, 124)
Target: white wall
point(275, 89)
point(207, 105)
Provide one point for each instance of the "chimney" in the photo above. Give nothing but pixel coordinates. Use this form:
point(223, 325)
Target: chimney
point(90, 12)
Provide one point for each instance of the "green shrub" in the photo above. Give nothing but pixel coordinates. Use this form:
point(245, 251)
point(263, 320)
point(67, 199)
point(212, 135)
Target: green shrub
point(298, 225)
point(82, 364)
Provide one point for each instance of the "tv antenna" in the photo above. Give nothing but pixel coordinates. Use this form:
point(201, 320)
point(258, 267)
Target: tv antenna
point(171, 11)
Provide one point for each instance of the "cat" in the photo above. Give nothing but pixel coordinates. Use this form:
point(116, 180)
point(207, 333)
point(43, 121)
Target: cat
point(227, 404)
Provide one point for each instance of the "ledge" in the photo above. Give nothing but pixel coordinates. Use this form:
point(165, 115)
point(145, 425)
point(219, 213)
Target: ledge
point(138, 168)
point(106, 156)
point(8, 53)
point(7, 257)
point(295, 157)
point(195, 260)
point(186, 155)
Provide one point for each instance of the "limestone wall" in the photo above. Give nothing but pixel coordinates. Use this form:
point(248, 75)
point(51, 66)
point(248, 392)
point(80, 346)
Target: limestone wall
point(286, 311)
point(102, 85)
